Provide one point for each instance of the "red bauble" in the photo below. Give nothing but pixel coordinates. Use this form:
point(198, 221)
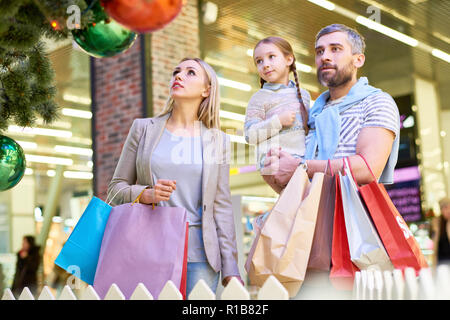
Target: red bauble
point(143, 15)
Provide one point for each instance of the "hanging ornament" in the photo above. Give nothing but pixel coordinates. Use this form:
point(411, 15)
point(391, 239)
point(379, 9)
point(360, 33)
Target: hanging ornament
point(143, 15)
point(12, 163)
point(104, 37)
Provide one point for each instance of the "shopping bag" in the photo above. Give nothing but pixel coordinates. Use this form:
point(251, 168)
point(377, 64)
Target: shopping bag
point(284, 242)
point(81, 250)
point(320, 256)
point(400, 244)
point(366, 248)
point(145, 245)
point(343, 270)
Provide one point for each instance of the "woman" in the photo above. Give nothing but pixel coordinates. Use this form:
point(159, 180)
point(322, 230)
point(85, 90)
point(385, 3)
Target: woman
point(441, 233)
point(27, 265)
point(182, 151)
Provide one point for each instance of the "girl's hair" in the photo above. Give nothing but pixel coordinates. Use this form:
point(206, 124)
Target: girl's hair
point(286, 49)
point(208, 111)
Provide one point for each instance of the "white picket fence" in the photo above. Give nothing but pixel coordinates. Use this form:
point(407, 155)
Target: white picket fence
point(431, 284)
point(368, 285)
point(271, 290)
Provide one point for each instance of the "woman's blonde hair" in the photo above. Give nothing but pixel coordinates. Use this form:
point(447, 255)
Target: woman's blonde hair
point(208, 111)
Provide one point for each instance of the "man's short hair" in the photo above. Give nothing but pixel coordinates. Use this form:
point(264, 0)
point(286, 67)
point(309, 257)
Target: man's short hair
point(356, 40)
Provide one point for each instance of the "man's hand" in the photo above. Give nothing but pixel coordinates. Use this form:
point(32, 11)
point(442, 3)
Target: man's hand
point(281, 165)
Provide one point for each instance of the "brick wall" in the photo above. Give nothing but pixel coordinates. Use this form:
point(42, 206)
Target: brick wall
point(169, 45)
point(118, 88)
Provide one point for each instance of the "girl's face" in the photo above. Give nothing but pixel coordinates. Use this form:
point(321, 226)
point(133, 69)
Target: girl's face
point(189, 81)
point(273, 66)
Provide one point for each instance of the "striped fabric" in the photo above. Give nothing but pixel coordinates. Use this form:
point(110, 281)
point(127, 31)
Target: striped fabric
point(377, 110)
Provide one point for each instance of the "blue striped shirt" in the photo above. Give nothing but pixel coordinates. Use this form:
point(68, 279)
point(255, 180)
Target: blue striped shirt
point(377, 110)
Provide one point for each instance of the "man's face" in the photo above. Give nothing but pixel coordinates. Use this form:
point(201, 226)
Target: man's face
point(336, 65)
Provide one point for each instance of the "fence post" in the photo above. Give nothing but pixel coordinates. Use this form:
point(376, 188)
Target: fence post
point(272, 289)
point(114, 293)
point(379, 285)
point(426, 286)
point(67, 294)
point(399, 285)
point(141, 293)
point(8, 295)
point(26, 294)
point(388, 285)
point(443, 282)
point(89, 294)
point(46, 294)
point(235, 291)
point(201, 291)
point(170, 292)
point(411, 287)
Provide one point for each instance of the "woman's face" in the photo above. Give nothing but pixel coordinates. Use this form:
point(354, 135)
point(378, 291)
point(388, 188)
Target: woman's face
point(445, 211)
point(25, 244)
point(189, 81)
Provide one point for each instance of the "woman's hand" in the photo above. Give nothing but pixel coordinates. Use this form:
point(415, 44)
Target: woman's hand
point(160, 192)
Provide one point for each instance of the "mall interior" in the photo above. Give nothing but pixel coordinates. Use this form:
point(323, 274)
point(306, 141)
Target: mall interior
point(407, 55)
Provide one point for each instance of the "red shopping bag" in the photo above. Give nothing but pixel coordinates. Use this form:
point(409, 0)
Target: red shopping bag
point(342, 268)
point(400, 244)
point(184, 271)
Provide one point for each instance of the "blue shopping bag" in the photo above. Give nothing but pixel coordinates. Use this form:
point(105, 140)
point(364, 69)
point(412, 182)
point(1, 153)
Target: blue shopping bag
point(82, 249)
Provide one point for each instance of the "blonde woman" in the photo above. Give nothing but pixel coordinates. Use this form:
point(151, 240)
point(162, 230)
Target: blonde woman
point(178, 158)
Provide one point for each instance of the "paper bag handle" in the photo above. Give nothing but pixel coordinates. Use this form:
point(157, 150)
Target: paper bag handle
point(139, 196)
point(347, 161)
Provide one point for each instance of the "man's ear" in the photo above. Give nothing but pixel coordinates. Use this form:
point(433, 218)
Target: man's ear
point(358, 60)
point(206, 92)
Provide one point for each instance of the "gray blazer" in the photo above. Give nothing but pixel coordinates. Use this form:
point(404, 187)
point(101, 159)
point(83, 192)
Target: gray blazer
point(133, 174)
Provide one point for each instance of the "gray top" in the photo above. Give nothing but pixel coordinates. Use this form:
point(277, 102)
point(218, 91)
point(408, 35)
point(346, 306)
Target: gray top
point(180, 158)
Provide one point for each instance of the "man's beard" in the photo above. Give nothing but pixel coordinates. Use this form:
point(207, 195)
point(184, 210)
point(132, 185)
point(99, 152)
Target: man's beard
point(341, 76)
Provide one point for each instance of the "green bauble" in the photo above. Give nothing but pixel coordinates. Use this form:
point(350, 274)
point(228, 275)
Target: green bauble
point(105, 37)
point(12, 163)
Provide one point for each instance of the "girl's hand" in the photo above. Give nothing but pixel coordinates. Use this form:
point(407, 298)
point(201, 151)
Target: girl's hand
point(287, 118)
point(160, 192)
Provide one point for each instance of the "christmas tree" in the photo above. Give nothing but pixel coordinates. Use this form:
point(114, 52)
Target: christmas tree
point(27, 85)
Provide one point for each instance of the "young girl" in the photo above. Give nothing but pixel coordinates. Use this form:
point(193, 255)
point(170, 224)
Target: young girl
point(277, 115)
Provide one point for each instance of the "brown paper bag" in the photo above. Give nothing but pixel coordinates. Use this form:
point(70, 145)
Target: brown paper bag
point(283, 245)
point(320, 256)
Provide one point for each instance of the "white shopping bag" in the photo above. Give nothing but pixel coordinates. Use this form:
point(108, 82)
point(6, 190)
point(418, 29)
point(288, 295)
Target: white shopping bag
point(366, 249)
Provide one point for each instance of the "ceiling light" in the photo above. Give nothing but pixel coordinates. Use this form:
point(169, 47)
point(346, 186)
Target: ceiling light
point(78, 175)
point(324, 4)
point(73, 150)
point(234, 102)
point(232, 115)
point(387, 31)
point(441, 55)
point(29, 171)
point(27, 144)
point(40, 131)
point(303, 67)
point(77, 113)
point(48, 160)
point(77, 99)
point(234, 84)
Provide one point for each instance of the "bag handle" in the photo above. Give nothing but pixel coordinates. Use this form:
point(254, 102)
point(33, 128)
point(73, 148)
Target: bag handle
point(114, 195)
point(328, 165)
point(137, 199)
point(139, 196)
point(347, 161)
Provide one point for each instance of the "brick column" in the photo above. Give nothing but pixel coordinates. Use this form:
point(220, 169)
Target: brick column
point(135, 84)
